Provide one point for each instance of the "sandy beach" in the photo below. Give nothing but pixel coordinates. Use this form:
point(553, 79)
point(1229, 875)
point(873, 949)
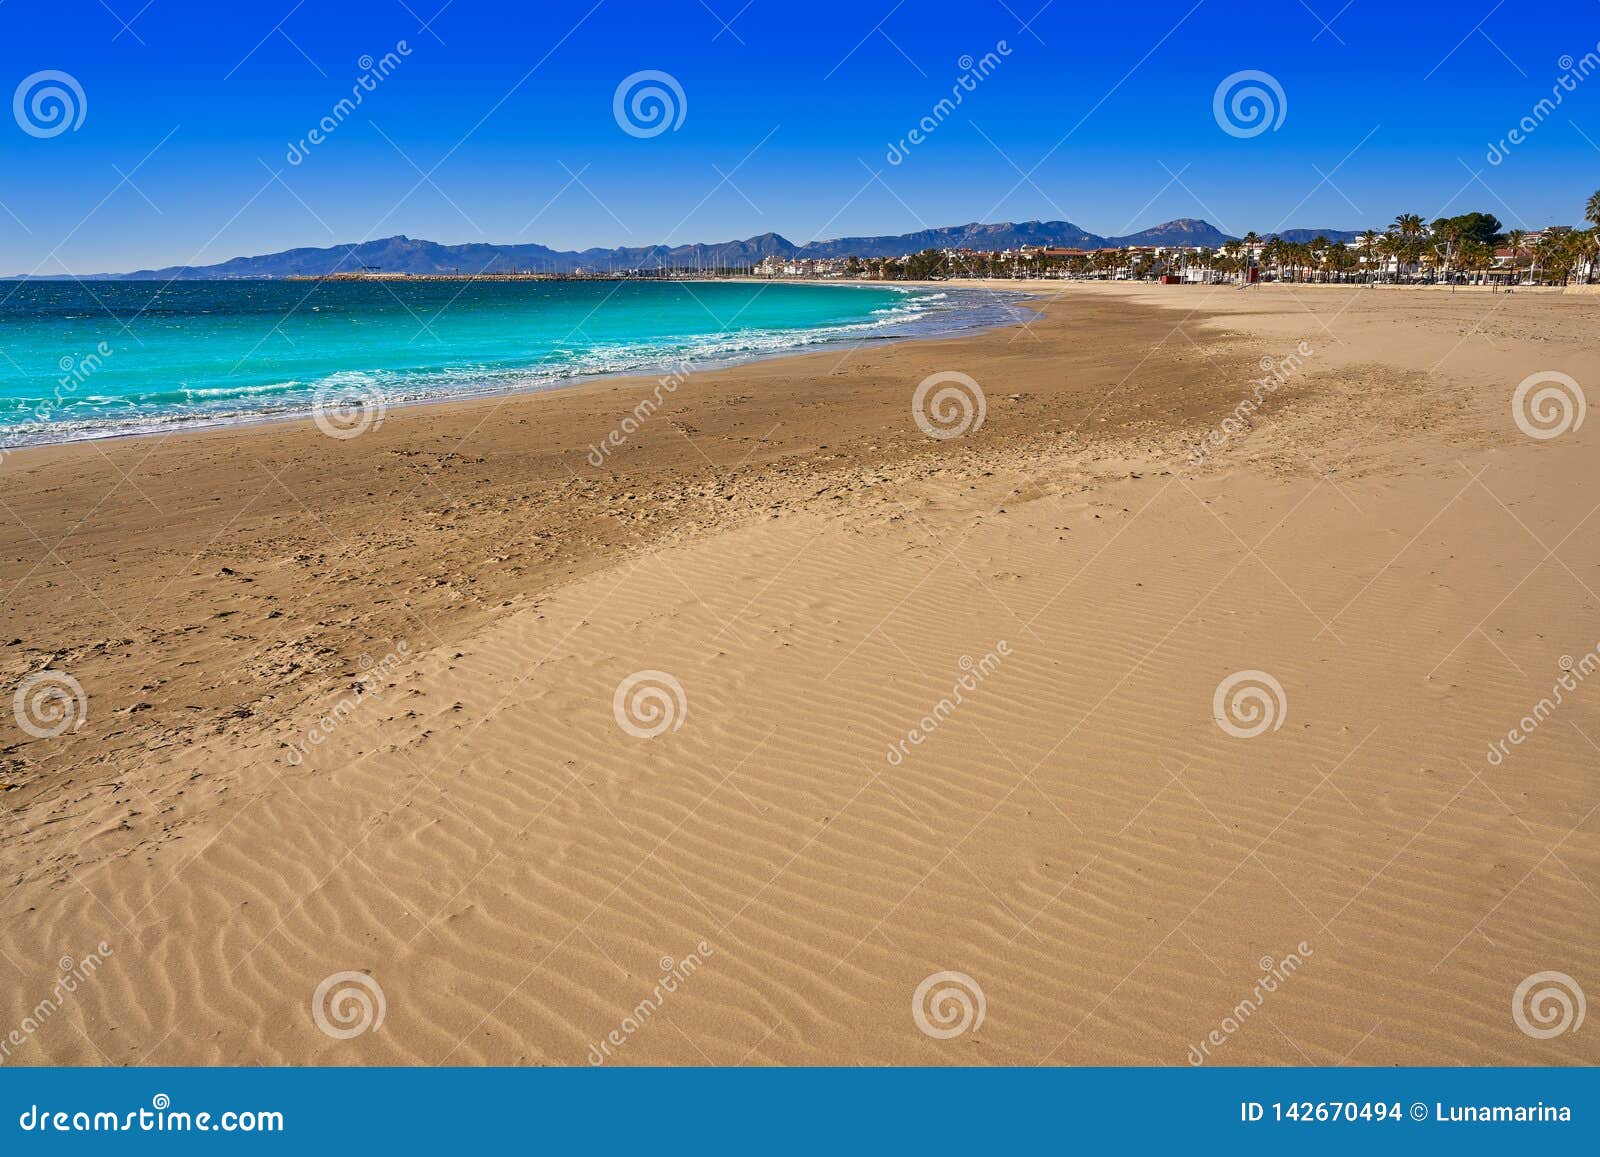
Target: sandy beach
point(444, 745)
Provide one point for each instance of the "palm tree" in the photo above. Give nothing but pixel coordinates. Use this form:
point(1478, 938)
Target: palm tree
point(1251, 240)
point(1476, 258)
point(1394, 246)
point(1555, 252)
point(1369, 248)
point(1515, 240)
point(1271, 257)
point(1341, 261)
point(1573, 243)
point(1286, 257)
point(1541, 253)
point(1450, 233)
point(1591, 211)
point(1320, 252)
point(1230, 255)
point(1407, 230)
point(1293, 255)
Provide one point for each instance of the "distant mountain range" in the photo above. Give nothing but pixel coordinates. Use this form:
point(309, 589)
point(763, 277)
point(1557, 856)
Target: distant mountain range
point(1301, 236)
point(402, 254)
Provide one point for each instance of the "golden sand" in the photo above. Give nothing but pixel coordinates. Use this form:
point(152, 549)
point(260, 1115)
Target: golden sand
point(352, 706)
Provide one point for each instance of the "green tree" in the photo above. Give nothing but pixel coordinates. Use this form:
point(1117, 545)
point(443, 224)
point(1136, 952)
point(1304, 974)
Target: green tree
point(929, 265)
point(1369, 249)
point(1483, 228)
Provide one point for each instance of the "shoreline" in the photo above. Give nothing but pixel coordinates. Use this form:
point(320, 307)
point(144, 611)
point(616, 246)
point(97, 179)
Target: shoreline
point(959, 324)
point(1041, 289)
point(144, 510)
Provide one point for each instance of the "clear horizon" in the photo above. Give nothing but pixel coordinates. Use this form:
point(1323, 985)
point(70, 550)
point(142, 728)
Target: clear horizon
point(192, 144)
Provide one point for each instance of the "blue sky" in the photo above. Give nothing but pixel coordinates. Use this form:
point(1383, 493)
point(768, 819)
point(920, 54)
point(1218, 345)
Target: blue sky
point(497, 124)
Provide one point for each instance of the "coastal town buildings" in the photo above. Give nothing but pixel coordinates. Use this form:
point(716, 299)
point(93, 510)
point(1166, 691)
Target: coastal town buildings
point(1410, 252)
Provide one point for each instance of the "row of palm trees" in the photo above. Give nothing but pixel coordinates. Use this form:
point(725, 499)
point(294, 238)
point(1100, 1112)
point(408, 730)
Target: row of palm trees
point(1449, 250)
point(1445, 252)
point(1409, 251)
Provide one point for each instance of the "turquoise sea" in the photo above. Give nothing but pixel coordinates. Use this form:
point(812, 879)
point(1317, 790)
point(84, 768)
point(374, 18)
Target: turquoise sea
point(93, 359)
